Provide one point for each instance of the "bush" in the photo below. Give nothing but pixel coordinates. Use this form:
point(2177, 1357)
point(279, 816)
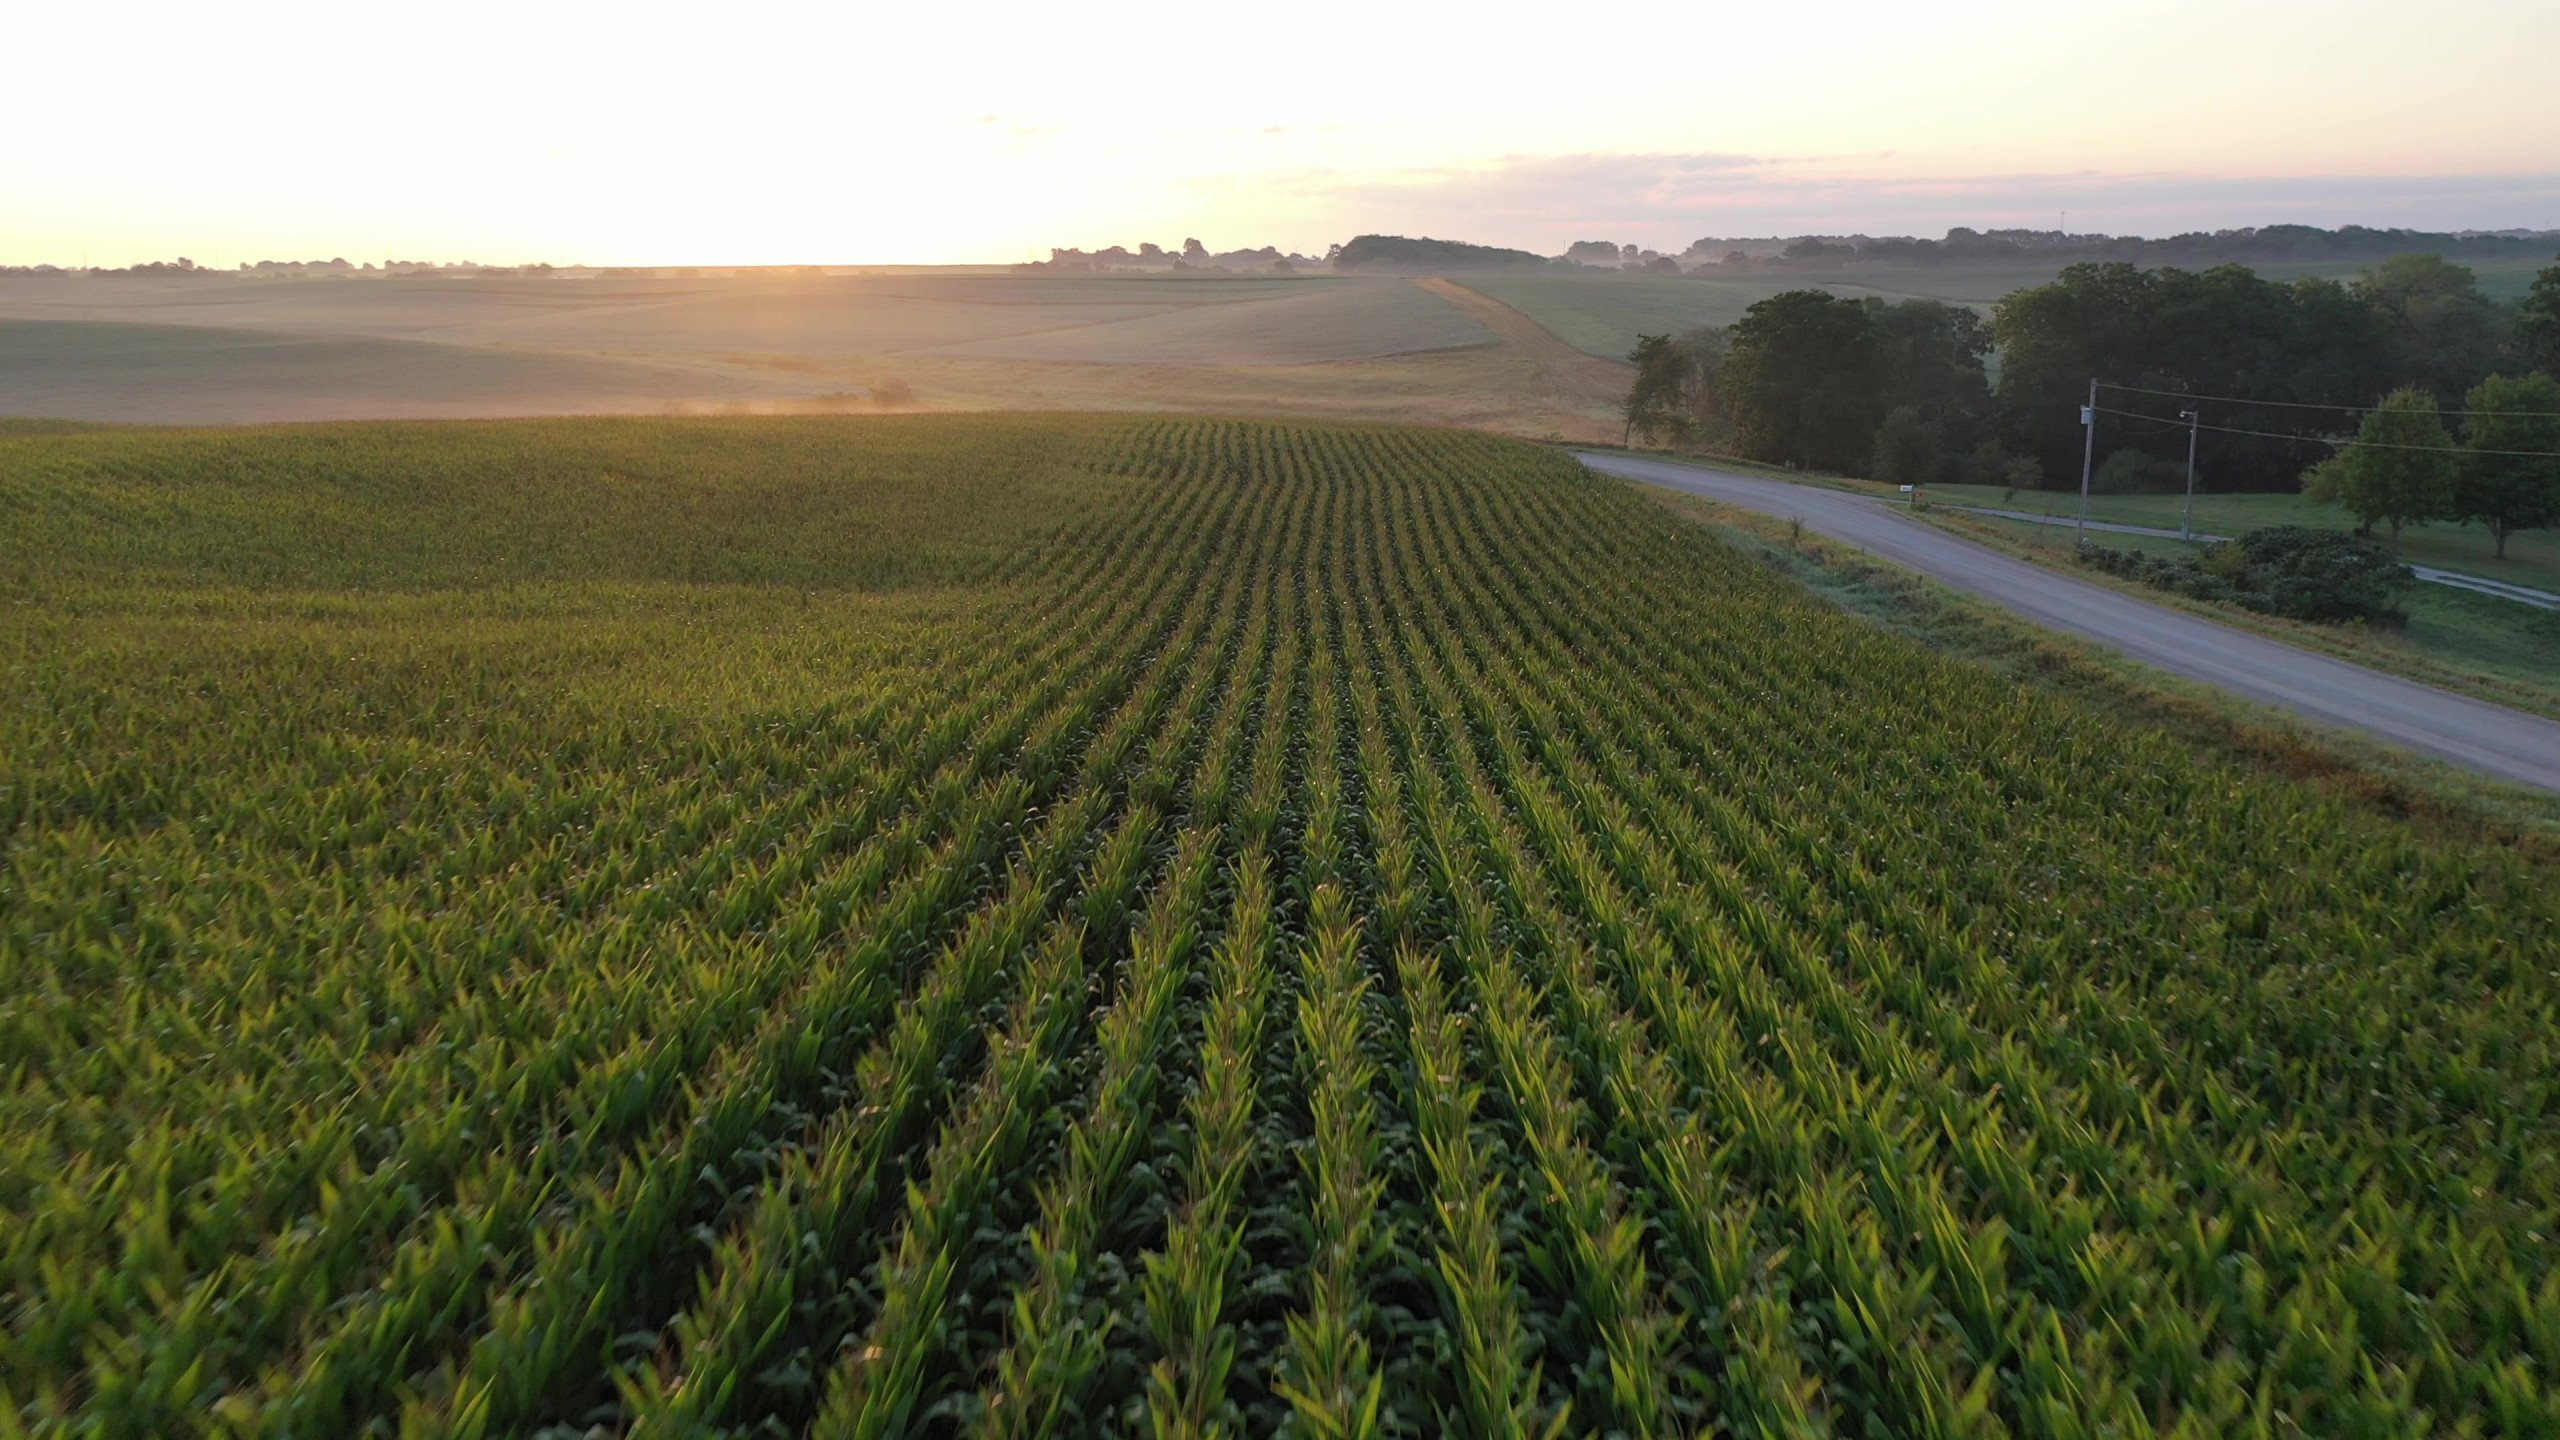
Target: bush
point(2131, 472)
point(2161, 572)
point(2309, 574)
point(2287, 570)
point(1989, 464)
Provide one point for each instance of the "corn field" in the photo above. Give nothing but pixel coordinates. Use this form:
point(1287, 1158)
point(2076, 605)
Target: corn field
point(1178, 928)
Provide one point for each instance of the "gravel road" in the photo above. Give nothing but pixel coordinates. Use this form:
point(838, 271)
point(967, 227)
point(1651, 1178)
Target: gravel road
point(2489, 738)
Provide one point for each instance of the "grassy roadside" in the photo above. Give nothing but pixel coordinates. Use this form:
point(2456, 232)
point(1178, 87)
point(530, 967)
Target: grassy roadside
point(2532, 558)
point(2434, 795)
point(2476, 645)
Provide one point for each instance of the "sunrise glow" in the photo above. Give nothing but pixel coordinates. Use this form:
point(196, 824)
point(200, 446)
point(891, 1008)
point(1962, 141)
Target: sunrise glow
point(802, 132)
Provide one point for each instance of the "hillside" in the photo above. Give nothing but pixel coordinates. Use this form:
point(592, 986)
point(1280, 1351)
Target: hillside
point(917, 925)
point(225, 349)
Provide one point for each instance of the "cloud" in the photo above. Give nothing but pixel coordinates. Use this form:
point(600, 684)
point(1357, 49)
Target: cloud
point(1544, 202)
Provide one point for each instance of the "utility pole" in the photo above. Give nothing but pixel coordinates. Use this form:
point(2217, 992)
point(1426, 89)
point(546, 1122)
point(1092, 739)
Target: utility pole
point(2088, 448)
point(2187, 522)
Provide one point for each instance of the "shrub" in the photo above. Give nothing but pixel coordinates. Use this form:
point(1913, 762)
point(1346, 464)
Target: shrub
point(2309, 574)
point(1989, 464)
point(2132, 472)
point(2288, 570)
point(2161, 572)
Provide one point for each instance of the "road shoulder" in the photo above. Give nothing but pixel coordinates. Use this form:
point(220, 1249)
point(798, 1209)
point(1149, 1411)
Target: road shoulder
point(2379, 650)
point(2368, 775)
point(2457, 644)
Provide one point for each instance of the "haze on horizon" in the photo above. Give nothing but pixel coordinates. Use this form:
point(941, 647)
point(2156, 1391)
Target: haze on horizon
point(766, 133)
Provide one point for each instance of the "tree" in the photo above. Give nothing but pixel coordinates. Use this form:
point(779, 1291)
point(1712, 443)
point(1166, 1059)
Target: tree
point(2536, 339)
point(1426, 256)
point(1708, 422)
point(2445, 334)
point(2092, 321)
point(2398, 470)
point(1988, 464)
point(1800, 380)
point(1655, 403)
point(1929, 357)
point(1808, 377)
point(1911, 449)
point(2224, 332)
point(2501, 489)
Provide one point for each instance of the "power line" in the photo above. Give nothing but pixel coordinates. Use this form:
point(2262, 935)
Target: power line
point(2324, 440)
point(2163, 427)
point(2304, 405)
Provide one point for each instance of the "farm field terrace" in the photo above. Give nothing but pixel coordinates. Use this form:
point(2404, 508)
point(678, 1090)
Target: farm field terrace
point(1037, 925)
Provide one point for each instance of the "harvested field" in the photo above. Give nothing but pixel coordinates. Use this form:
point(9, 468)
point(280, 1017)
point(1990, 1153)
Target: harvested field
point(231, 350)
point(189, 374)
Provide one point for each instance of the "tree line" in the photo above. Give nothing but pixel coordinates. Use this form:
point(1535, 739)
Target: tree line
point(1964, 245)
point(1905, 391)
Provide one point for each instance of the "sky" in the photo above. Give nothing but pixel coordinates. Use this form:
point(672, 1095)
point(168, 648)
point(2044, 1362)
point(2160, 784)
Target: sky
point(753, 132)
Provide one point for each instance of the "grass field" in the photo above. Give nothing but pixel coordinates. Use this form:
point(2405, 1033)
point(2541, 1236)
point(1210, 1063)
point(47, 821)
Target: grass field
point(917, 925)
